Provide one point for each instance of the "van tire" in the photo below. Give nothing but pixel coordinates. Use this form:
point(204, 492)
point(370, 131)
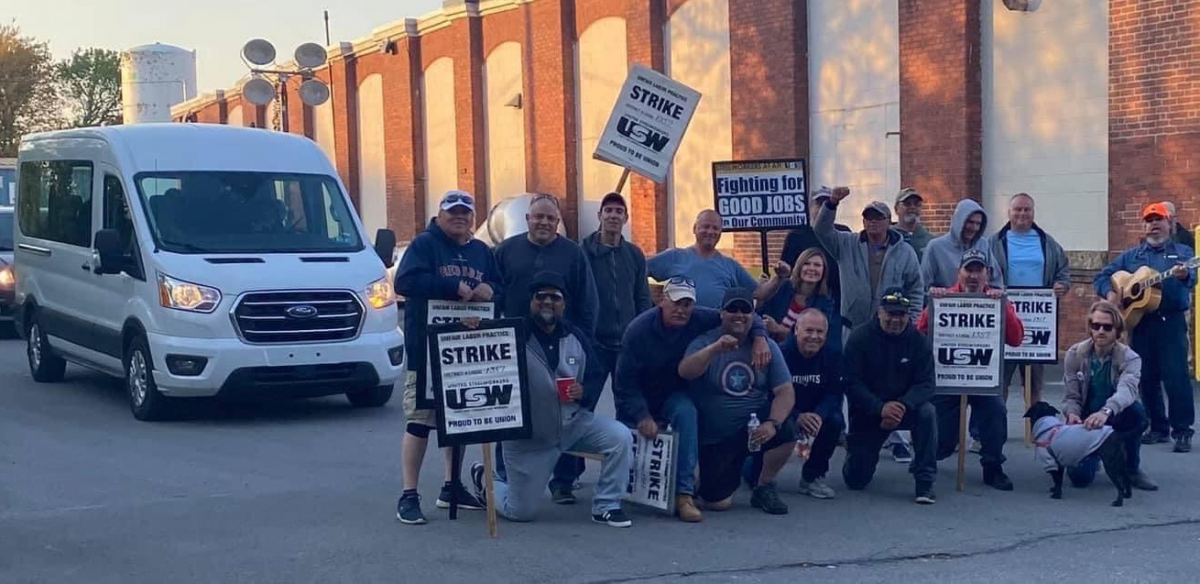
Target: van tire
point(145, 401)
point(370, 398)
point(44, 365)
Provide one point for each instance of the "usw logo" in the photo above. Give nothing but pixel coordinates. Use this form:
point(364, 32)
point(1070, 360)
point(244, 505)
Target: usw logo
point(642, 134)
point(1041, 338)
point(964, 356)
point(479, 397)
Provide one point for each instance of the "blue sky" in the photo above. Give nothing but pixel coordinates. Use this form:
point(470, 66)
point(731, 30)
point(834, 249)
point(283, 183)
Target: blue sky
point(215, 29)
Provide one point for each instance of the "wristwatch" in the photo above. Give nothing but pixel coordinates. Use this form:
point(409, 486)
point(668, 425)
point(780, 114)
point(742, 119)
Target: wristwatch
point(1107, 411)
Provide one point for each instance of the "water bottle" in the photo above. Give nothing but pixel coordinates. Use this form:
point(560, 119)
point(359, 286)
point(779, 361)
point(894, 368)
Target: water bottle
point(751, 426)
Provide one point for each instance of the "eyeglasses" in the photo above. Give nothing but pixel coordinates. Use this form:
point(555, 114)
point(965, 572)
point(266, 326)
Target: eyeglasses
point(548, 297)
point(682, 280)
point(1096, 326)
point(896, 299)
point(738, 307)
point(458, 198)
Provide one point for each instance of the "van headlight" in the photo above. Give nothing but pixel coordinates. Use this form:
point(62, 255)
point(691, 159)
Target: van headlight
point(7, 277)
point(380, 293)
point(187, 296)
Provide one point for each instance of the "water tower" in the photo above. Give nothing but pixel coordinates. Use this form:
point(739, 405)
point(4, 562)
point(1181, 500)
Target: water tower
point(154, 78)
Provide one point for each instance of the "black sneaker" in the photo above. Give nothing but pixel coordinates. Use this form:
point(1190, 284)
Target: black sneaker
point(477, 481)
point(1155, 437)
point(1183, 441)
point(561, 494)
point(993, 476)
point(466, 500)
point(613, 518)
point(765, 497)
point(925, 494)
point(408, 510)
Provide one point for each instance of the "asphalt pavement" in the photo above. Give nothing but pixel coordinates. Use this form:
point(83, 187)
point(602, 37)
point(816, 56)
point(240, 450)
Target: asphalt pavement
point(305, 491)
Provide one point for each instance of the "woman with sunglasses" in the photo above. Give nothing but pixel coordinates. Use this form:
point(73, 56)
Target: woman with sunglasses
point(1100, 378)
point(808, 287)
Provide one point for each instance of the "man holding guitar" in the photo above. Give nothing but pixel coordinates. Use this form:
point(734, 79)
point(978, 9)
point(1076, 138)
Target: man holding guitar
point(1152, 282)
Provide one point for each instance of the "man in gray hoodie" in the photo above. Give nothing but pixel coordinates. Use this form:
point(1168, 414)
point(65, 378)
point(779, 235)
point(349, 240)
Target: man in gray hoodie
point(939, 264)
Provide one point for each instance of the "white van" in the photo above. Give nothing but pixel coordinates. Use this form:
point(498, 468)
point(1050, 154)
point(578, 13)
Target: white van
point(199, 260)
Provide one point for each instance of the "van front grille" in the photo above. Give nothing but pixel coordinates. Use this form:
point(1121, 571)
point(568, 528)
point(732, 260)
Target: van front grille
point(298, 317)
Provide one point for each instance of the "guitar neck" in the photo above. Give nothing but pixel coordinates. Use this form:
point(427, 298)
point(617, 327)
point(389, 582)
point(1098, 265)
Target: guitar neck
point(1157, 279)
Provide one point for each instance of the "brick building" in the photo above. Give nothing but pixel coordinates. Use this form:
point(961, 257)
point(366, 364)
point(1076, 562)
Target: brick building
point(1092, 106)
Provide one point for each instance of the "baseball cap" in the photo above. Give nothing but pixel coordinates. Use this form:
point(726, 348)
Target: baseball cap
point(547, 279)
point(821, 194)
point(1156, 209)
point(736, 295)
point(613, 198)
point(973, 256)
point(906, 194)
point(680, 287)
point(894, 300)
point(456, 198)
point(878, 207)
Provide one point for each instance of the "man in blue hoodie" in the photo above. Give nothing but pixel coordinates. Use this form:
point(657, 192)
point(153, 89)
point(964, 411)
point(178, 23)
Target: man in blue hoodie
point(443, 263)
point(939, 263)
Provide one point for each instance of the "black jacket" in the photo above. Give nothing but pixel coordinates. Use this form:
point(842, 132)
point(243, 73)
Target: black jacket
point(882, 368)
point(800, 240)
point(621, 287)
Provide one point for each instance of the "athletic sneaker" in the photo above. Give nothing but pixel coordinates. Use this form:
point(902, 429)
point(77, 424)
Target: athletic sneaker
point(466, 500)
point(818, 489)
point(902, 453)
point(613, 518)
point(976, 446)
point(408, 510)
point(1183, 441)
point(477, 481)
point(561, 494)
point(765, 497)
point(925, 494)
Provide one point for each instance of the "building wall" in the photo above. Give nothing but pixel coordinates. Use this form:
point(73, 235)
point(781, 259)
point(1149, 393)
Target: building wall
point(854, 97)
point(698, 56)
point(505, 123)
point(602, 67)
point(372, 167)
point(1045, 114)
point(235, 116)
point(323, 130)
point(441, 142)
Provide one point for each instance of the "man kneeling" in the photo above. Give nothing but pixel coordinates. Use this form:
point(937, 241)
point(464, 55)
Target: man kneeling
point(556, 350)
point(728, 393)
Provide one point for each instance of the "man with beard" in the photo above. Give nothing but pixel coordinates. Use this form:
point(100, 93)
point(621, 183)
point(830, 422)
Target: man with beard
point(908, 212)
point(557, 350)
point(1160, 338)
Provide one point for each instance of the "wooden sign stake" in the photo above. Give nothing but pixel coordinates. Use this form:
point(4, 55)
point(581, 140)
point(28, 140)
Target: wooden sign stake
point(962, 441)
point(621, 182)
point(489, 488)
point(1028, 404)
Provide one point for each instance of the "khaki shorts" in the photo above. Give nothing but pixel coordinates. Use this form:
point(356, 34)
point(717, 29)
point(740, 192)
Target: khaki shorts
point(411, 414)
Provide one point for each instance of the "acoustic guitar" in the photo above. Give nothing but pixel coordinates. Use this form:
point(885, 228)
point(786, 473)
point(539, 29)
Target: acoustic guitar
point(1139, 293)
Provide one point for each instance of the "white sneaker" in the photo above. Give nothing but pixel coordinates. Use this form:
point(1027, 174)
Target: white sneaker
point(818, 489)
point(976, 446)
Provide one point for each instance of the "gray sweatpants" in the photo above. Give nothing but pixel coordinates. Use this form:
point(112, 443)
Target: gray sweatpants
point(529, 468)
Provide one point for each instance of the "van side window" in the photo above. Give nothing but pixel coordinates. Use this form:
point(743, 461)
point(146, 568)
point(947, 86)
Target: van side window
point(116, 216)
point(55, 201)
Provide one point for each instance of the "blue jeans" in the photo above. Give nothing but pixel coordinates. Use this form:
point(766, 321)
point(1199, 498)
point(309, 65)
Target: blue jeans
point(570, 468)
point(990, 418)
point(680, 412)
point(1162, 344)
point(528, 469)
point(1132, 420)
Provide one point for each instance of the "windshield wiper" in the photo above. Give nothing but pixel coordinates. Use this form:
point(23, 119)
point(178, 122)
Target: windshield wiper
point(185, 245)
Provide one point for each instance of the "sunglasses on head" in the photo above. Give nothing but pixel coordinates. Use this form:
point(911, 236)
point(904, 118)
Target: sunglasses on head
point(1096, 326)
point(896, 299)
point(459, 198)
point(544, 197)
point(548, 296)
point(682, 280)
point(739, 307)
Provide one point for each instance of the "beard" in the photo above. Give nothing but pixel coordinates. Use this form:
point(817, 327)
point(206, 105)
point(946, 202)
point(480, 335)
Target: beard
point(547, 318)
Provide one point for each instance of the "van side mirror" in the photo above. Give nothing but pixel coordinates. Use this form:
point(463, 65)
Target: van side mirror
point(385, 246)
point(107, 249)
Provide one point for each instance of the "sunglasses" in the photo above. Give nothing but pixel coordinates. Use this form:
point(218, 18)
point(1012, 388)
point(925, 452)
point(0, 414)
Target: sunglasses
point(738, 307)
point(544, 197)
point(548, 297)
point(896, 299)
point(459, 198)
point(1096, 326)
point(682, 280)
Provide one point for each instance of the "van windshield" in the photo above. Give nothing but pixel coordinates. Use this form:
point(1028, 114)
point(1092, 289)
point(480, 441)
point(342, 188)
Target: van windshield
point(247, 212)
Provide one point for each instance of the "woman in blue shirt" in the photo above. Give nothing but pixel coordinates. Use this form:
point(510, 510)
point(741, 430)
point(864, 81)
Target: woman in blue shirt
point(808, 287)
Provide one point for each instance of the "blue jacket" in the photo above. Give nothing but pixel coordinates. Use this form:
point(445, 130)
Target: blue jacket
point(648, 364)
point(431, 269)
point(817, 380)
point(1175, 297)
point(777, 308)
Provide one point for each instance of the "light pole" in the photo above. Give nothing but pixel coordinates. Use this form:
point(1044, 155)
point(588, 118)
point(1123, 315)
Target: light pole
point(259, 90)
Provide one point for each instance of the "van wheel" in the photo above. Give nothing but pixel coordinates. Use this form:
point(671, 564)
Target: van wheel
point(44, 365)
point(370, 398)
point(145, 401)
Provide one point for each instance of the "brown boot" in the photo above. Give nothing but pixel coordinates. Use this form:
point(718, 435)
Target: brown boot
point(686, 509)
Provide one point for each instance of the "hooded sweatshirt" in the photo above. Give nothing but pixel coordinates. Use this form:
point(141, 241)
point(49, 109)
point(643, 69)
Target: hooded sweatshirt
point(431, 270)
point(1058, 444)
point(880, 368)
point(939, 265)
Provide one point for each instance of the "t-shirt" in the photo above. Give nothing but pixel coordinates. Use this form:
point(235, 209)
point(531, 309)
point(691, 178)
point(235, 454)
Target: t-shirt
point(731, 389)
point(1026, 263)
point(549, 343)
point(713, 275)
point(1100, 386)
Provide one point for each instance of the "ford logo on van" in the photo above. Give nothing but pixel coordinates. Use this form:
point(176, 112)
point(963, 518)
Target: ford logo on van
point(301, 311)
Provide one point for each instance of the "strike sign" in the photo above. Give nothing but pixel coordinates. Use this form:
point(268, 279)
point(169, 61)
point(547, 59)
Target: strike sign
point(443, 312)
point(647, 123)
point(968, 344)
point(1038, 310)
point(652, 476)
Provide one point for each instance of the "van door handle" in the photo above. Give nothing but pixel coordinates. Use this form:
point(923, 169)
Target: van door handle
point(86, 267)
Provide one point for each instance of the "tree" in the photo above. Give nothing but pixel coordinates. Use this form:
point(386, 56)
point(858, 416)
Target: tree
point(28, 100)
point(90, 84)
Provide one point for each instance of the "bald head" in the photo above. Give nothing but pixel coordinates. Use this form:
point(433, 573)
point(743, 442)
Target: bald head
point(707, 231)
point(812, 328)
point(1020, 213)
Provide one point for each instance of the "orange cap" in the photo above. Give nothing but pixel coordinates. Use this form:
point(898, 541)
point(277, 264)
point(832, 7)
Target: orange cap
point(1156, 209)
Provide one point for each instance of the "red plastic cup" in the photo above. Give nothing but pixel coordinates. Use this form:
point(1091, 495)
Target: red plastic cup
point(564, 385)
